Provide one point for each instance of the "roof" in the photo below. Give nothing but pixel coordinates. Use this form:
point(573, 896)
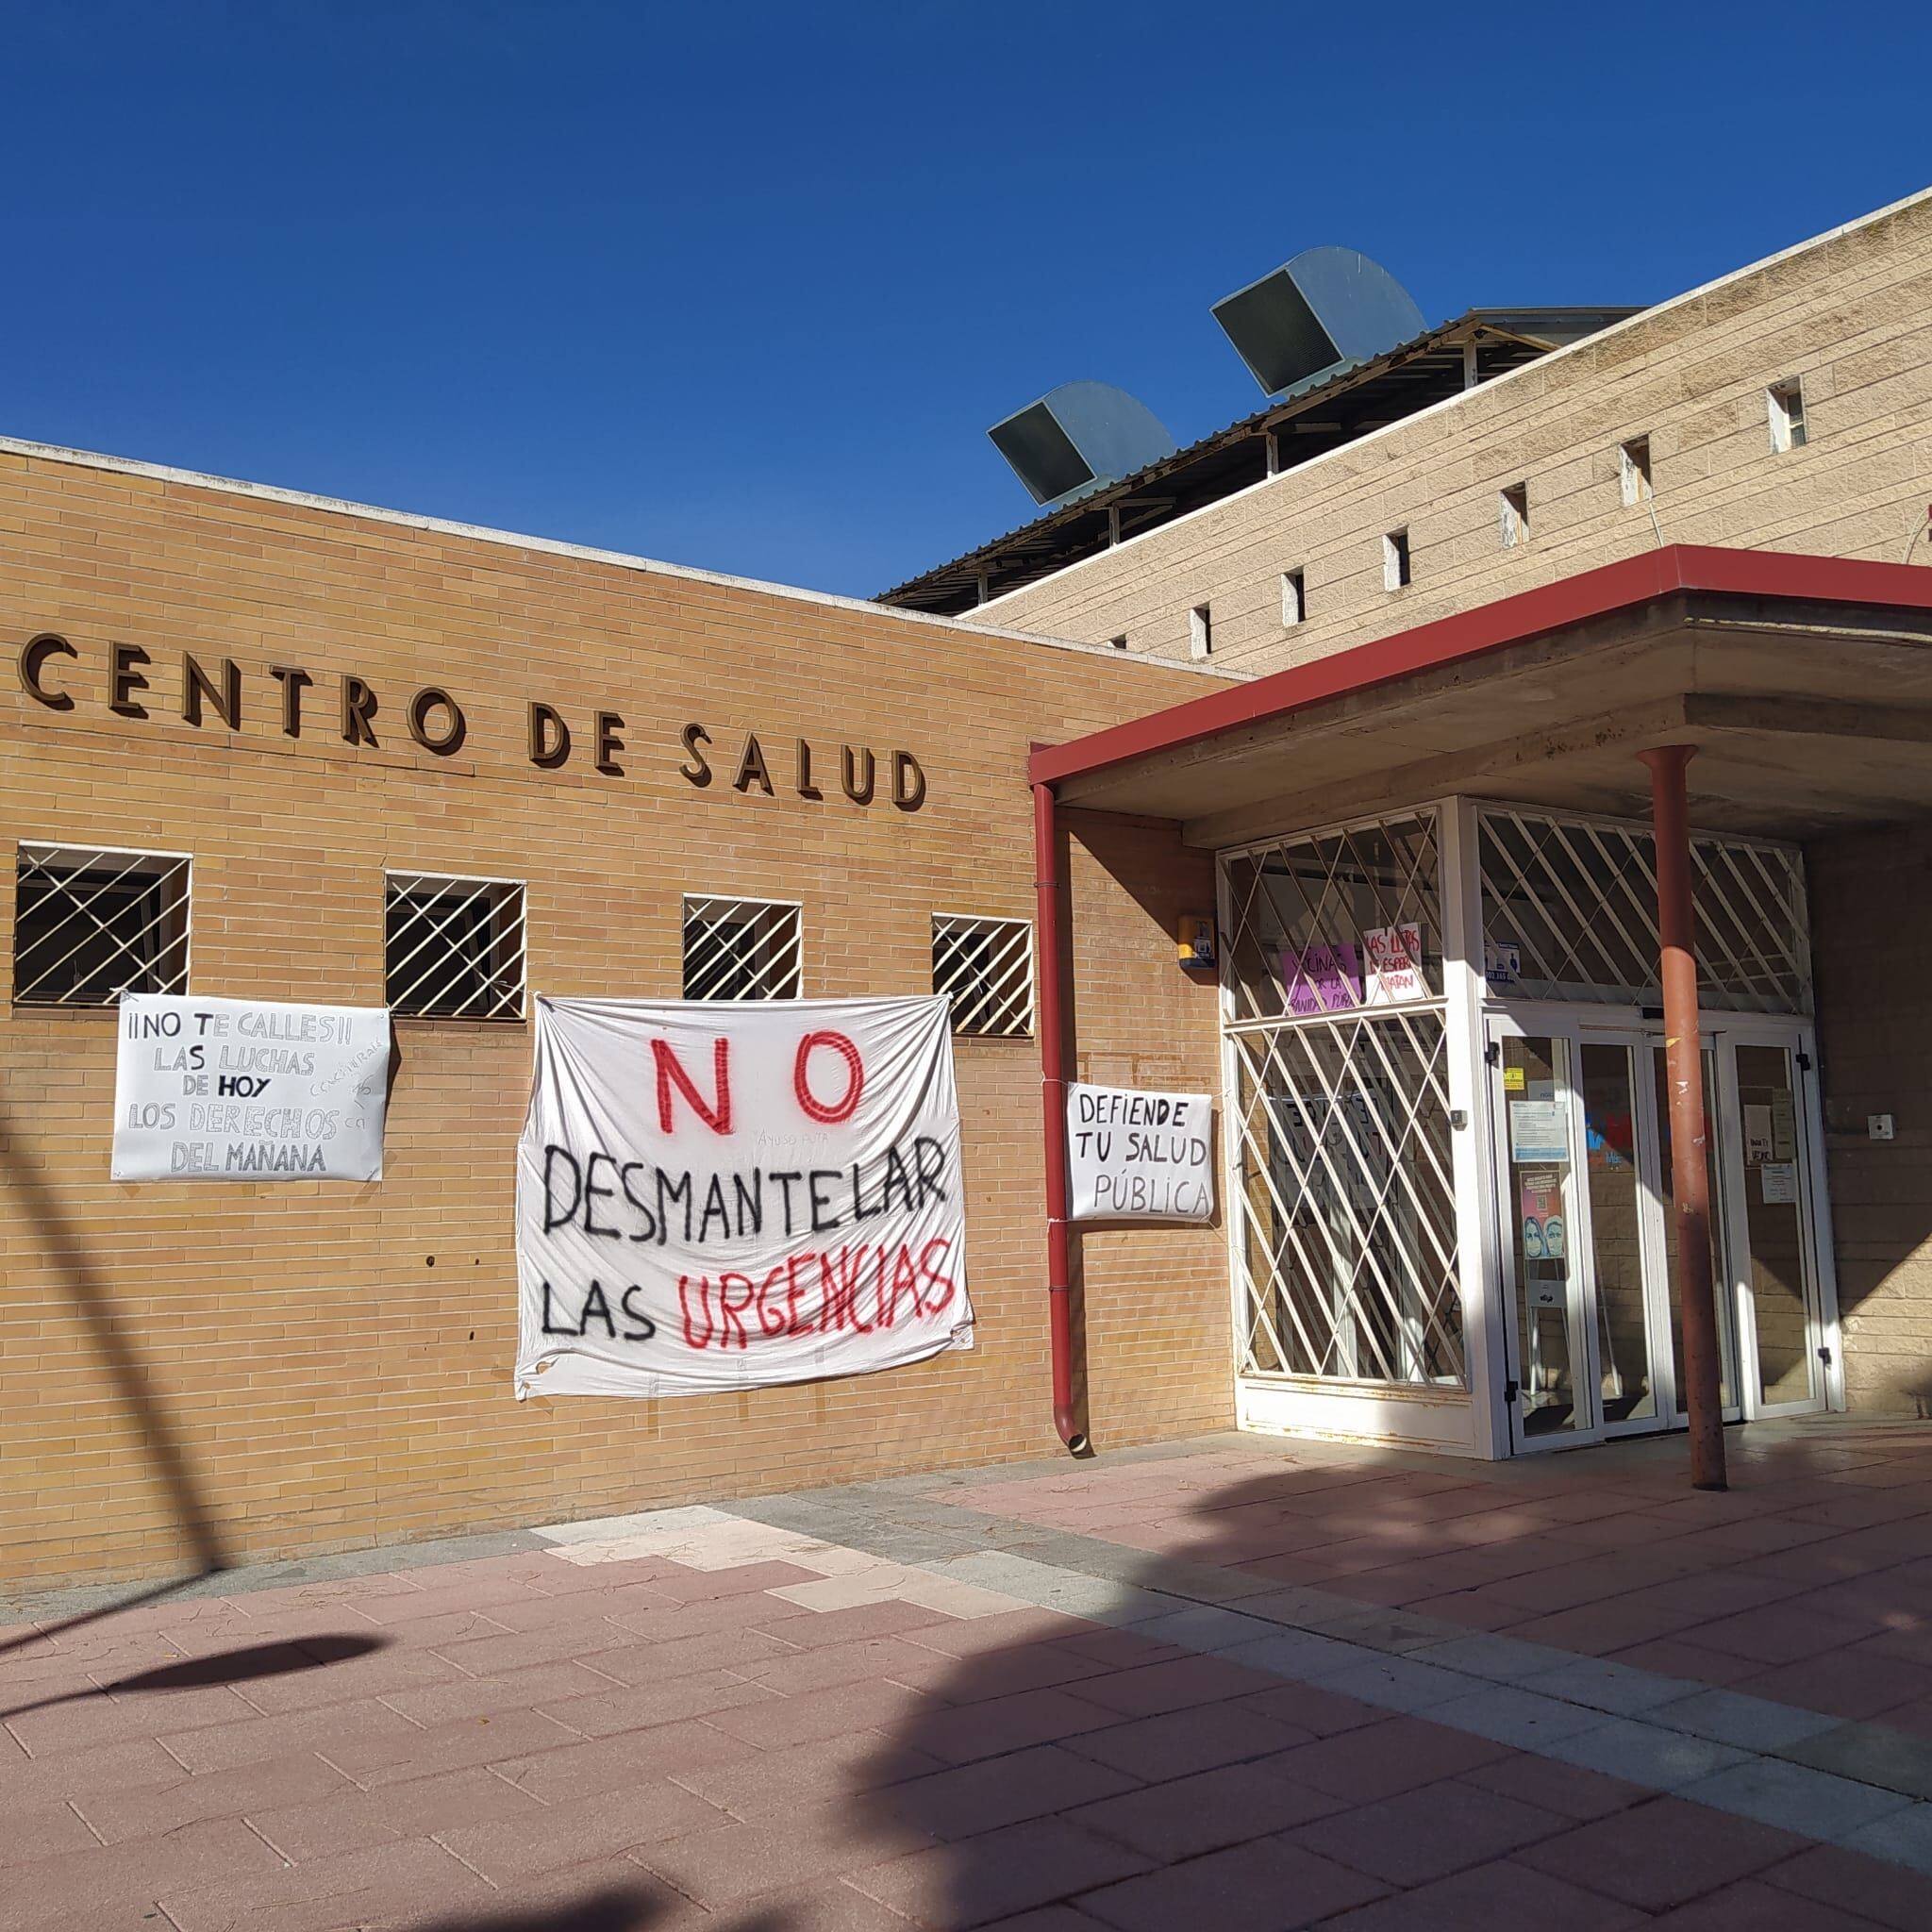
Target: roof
point(1809, 679)
point(1309, 420)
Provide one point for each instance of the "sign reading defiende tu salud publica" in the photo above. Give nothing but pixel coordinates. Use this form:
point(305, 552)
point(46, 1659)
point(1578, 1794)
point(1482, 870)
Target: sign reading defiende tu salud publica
point(1139, 1156)
point(237, 1090)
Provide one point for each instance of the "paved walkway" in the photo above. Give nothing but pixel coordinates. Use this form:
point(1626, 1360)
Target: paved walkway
point(1236, 1682)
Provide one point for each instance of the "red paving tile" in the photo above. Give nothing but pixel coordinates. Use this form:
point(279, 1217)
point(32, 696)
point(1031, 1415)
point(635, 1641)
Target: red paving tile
point(1005, 1872)
point(535, 1733)
point(1661, 1854)
point(1269, 1885)
point(1427, 1833)
point(554, 1838)
point(1755, 1907)
point(1489, 1899)
point(1206, 1812)
point(1885, 1895)
point(1382, 1759)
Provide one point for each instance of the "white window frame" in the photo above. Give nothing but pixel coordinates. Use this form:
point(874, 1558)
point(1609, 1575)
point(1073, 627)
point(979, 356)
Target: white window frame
point(1201, 631)
point(1295, 597)
point(465, 889)
point(1784, 406)
point(1512, 516)
point(174, 869)
point(1009, 981)
point(1634, 484)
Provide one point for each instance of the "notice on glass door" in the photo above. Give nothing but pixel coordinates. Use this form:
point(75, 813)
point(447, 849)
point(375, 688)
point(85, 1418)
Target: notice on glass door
point(1758, 1135)
point(1780, 1178)
point(1538, 1131)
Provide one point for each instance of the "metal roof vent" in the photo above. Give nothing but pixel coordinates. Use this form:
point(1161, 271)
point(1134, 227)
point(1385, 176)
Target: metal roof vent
point(1078, 437)
point(1326, 308)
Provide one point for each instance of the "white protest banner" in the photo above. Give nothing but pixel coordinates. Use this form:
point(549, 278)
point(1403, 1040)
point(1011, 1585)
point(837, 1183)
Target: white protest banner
point(718, 1194)
point(1140, 1157)
point(231, 1090)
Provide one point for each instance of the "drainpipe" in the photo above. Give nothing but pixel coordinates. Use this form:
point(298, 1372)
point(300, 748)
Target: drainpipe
point(1684, 1076)
point(1053, 1067)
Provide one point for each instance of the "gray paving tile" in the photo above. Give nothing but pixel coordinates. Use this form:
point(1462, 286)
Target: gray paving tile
point(1604, 1686)
point(1903, 1839)
point(1503, 1660)
point(1733, 1717)
point(1398, 1683)
point(1206, 1627)
point(1872, 1754)
point(1644, 1754)
point(1511, 1715)
point(1297, 1655)
point(1795, 1798)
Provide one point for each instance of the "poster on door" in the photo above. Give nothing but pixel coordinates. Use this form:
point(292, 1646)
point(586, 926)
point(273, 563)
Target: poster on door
point(1395, 964)
point(1322, 979)
point(718, 1195)
point(1540, 1201)
point(235, 1090)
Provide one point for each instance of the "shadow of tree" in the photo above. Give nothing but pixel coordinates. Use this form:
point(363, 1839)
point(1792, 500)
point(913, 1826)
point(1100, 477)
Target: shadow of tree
point(224, 1667)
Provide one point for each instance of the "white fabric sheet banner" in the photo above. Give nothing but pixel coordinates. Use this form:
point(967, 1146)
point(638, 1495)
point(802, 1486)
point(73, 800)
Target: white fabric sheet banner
point(719, 1194)
point(222, 1089)
point(1139, 1156)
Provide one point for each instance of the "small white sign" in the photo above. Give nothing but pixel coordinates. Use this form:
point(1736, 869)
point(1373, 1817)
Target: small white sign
point(1140, 1157)
point(1781, 1182)
point(1502, 962)
point(224, 1090)
point(1538, 1131)
point(1395, 964)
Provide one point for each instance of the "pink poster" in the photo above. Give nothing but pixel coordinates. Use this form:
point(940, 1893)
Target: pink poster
point(1322, 980)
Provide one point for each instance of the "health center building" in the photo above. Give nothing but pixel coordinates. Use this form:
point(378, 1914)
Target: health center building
point(1355, 766)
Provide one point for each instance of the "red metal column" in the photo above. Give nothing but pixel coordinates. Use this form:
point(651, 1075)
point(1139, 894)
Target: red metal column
point(1690, 1131)
point(1053, 1064)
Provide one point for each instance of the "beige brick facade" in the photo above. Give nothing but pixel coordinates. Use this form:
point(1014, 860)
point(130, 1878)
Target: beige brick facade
point(332, 1360)
point(1848, 315)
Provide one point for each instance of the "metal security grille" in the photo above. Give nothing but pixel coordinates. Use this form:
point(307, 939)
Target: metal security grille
point(453, 948)
point(1292, 903)
point(90, 925)
point(1570, 913)
point(743, 949)
point(1346, 1237)
point(985, 967)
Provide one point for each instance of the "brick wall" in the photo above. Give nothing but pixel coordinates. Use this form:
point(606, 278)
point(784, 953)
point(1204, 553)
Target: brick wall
point(1850, 315)
point(1870, 928)
point(329, 1364)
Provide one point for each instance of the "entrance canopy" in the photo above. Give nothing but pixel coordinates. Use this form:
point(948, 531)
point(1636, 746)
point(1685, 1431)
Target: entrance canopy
point(1803, 682)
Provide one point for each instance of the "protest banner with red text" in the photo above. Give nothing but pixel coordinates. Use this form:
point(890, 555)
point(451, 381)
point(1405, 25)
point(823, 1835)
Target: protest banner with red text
point(716, 1195)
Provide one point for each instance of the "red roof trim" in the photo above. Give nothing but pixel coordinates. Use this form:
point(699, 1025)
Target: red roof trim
point(1491, 628)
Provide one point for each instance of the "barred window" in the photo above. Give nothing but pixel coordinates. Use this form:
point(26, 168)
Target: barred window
point(985, 967)
point(453, 948)
point(89, 926)
point(743, 949)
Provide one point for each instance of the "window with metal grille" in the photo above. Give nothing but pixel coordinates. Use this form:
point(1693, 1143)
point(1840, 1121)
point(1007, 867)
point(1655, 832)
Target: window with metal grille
point(985, 967)
point(1329, 921)
point(453, 948)
point(1344, 1200)
point(1570, 913)
point(743, 949)
point(90, 925)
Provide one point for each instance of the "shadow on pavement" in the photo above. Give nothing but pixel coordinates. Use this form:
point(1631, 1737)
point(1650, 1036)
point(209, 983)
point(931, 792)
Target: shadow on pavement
point(223, 1667)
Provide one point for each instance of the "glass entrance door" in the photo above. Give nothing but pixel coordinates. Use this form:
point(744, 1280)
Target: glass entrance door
point(1582, 1150)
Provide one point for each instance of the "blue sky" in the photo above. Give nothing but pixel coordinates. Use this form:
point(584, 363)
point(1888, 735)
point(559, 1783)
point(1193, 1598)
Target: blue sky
point(743, 286)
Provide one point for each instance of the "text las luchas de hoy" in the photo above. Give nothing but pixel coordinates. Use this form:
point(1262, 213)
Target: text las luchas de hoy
point(228, 1064)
